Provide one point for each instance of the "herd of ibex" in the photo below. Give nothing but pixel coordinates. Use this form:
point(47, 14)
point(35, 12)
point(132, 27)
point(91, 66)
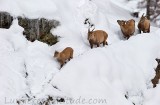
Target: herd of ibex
point(97, 37)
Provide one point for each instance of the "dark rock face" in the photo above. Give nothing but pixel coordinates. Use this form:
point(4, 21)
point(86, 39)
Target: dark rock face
point(5, 20)
point(34, 29)
point(155, 80)
point(39, 29)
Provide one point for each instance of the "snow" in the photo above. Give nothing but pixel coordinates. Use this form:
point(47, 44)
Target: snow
point(29, 8)
point(123, 68)
point(108, 69)
point(151, 96)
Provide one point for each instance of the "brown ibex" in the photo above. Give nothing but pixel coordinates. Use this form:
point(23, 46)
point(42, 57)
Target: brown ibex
point(63, 56)
point(144, 24)
point(97, 37)
point(127, 27)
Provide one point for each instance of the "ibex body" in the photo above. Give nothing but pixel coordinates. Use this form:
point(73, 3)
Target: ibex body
point(63, 56)
point(127, 27)
point(97, 37)
point(144, 24)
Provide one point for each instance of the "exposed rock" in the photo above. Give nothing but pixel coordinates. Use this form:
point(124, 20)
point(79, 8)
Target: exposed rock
point(155, 80)
point(61, 100)
point(39, 29)
point(5, 20)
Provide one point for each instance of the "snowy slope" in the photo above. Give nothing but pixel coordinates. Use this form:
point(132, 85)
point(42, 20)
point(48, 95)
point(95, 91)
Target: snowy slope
point(125, 67)
point(112, 72)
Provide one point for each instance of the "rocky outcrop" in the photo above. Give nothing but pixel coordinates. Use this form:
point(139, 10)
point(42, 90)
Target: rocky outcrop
point(34, 29)
point(5, 20)
point(155, 80)
point(39, 29)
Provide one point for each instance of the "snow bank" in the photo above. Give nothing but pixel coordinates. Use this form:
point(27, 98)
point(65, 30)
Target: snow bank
point(151, 96)
point(124, 68)
point(12, 64)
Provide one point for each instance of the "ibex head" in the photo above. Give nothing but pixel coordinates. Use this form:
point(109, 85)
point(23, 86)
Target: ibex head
point(143, 17)
point(90, 31)
point(56, 54)
point(121, 22)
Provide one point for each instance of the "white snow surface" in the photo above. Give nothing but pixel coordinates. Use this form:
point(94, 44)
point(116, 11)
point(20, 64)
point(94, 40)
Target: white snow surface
point(123, 68)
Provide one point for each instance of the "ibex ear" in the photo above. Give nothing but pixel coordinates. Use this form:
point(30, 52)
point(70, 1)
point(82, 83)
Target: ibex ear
point(146, 17)
point(118, 21)
point(55, 52)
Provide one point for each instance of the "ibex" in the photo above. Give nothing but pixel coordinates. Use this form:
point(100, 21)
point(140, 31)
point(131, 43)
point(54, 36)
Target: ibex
point(127, 27)
point(144, 24)
point(97, 37)
point(63, 56)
